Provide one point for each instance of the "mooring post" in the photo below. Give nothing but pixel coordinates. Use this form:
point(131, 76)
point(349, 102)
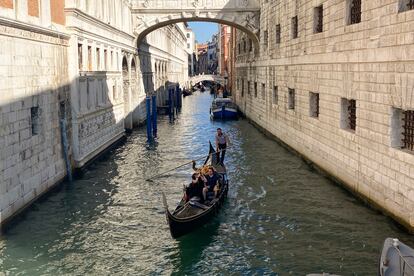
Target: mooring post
point(154, 116)
point(149, 134)
point(170, 110)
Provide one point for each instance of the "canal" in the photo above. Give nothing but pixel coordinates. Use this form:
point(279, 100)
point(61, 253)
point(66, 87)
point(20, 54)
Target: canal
point(281, 218)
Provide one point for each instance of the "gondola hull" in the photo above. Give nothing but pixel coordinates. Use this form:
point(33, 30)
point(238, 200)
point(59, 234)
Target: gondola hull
point(180, 227)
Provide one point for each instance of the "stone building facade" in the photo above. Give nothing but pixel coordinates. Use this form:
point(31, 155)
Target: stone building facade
point(334, 80)
point(71, 73)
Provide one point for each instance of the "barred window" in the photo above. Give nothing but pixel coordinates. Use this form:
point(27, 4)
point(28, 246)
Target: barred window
point(354, 11)
point(294, 27)
point(314, 105)
point(255, 89)
point(318, 19)
point(35, 120)
point(348, 114)
point(291, 98)
point(406, 5)
point(263, 91)
point(275, 95)
point(278, 34)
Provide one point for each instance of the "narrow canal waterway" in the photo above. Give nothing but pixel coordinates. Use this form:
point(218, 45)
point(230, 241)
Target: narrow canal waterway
point(281, 218)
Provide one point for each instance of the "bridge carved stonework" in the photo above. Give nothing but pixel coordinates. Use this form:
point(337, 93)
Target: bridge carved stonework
point(150, 15)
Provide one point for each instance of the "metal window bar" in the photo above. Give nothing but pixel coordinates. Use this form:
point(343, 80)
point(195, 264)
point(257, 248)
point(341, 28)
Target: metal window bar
point(410, 4)
point(408, 126)
point(352, 114)
point(319, 23)
point(355, 11)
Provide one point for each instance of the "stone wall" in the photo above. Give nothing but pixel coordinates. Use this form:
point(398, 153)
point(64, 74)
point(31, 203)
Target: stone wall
point(34, 95)
point(371, 62)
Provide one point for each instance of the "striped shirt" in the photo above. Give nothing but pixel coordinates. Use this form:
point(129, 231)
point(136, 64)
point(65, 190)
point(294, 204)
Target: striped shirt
point(221, 140)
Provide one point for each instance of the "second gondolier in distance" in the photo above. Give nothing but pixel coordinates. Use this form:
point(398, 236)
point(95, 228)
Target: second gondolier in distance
point(222, 141)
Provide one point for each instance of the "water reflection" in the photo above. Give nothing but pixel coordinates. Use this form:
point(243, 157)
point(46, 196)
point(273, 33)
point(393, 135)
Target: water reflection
point(281, 217)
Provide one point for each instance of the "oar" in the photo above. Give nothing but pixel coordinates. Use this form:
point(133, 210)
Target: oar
point(183, 165)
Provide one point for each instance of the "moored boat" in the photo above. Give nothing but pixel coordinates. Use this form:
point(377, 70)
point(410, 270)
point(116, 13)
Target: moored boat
point(190, 215)
point(397, 259)
point(224, 109)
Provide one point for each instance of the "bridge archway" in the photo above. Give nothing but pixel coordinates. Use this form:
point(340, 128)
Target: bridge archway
point(150, 15)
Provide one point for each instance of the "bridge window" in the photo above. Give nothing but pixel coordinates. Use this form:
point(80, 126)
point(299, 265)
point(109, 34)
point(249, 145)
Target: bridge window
point(275, 95)
point(295, 27)
point(402, 132)
point(353, 11)
point(255, 89)
point(250, 45)
point(106, 59)
point(318, 19)
point(406, 5)
point(314, 105)
point(278, 34)
point(291, 98)
point(35, 120)
point(244, 46)
point(348, 114)
point(80, 63)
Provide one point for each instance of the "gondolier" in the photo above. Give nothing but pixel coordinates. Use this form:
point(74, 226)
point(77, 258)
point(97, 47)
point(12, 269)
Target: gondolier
point(222, 140)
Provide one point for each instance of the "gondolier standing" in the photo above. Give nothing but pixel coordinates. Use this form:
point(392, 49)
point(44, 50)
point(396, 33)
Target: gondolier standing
point(222, 140)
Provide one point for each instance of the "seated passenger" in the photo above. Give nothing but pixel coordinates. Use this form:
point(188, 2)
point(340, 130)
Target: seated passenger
point(202, 170)
point(195, 189)
point(211, 181)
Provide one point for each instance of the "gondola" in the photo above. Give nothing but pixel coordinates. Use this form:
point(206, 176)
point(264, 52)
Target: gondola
point(190, 215)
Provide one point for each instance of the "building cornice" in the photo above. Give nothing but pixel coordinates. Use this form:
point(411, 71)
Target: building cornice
point(32, 30)
point(90, 19)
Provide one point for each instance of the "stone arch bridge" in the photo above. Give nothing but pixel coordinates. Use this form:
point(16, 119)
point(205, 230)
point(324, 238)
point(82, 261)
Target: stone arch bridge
point(214, 78)
point(150, 15)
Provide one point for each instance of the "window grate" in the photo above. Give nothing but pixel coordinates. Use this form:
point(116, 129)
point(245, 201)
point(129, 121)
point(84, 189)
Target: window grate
point(352, 114)
point(410, 4)
point(408, 127)
point(355, 11)
point(295, 27)
point(319, 19)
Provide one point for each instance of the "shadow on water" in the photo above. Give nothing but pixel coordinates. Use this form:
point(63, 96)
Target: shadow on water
point(191, 247)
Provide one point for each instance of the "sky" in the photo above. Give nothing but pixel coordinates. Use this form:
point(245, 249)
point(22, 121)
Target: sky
point(203, 30)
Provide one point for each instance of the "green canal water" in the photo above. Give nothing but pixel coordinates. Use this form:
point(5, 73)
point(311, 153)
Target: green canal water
point(281, 217)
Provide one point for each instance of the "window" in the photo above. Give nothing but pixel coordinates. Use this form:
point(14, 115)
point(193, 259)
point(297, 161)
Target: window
point(248, 87)
point(250, 45)
point(239, 48)
point(402, 132)
point(318, 19)
point(263, 91)
point(244, 46)
point(98, 59)
point(275, 95)
point(114, 92)
point(278, 35)
point(89, 58)
point(314, 105)
point(255, 89)
point(242, 88)
point(265, 38)
point(353, 11)
point(294, 27)
point(406, 5)
point(106, 59)
point(291, 98)
point(188, 45)
point(188, 35)
point(35, 120)
point(80, 57)
point(348, 114)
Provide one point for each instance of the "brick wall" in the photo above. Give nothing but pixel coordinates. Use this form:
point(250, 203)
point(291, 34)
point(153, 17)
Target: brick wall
point(57, 10)
point(6, 4)
point(33, 7)
point(371, 62)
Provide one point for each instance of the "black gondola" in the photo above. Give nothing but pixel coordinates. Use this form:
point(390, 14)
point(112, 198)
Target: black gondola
point(190, 215)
